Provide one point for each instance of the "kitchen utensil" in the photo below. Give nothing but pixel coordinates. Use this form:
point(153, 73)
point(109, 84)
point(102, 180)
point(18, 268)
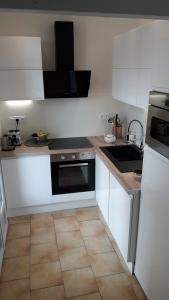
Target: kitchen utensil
point(6, 143)
point(109, 138)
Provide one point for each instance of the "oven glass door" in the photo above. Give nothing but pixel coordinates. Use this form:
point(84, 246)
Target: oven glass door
point(157, 136)
point(72, 177)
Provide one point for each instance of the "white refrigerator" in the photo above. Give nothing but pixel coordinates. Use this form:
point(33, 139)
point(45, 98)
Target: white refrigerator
point(152, 257)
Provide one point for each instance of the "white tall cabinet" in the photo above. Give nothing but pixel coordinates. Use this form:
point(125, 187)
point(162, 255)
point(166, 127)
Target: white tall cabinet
point(3, 220)
point(21, 74)
point(152, 257)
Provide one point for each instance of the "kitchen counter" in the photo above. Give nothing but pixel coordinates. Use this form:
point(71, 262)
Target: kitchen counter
point(129, 181)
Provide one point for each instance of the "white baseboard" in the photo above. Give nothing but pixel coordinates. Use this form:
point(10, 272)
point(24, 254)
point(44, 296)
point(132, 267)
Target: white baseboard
point(12, 212)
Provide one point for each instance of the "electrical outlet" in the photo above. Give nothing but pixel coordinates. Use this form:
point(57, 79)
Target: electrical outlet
point(103, 116)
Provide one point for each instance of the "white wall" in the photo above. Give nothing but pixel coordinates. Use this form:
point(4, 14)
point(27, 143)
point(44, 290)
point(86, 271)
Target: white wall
point(93, 50)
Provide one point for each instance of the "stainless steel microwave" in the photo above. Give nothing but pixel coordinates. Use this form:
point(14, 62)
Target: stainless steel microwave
point(157, 133)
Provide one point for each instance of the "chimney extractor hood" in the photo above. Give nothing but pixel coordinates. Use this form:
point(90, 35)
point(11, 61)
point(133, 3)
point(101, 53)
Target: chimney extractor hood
point(65, 82)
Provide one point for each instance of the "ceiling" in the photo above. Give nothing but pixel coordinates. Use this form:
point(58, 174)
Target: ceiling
point(146, 8)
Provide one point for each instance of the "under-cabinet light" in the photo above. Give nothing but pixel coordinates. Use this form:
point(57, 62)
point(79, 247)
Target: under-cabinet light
point(18, 102)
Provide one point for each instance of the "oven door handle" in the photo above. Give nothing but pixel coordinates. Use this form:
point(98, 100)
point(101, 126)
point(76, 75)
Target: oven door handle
point(73, 165)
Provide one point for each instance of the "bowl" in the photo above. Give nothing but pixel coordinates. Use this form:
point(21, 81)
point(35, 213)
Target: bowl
point(40, 139)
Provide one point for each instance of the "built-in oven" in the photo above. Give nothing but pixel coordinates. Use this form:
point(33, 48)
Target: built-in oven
point(73, 172)
point(157, 134)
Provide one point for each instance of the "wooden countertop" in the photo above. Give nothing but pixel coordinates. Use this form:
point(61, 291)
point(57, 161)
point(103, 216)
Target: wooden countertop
point(129, 181)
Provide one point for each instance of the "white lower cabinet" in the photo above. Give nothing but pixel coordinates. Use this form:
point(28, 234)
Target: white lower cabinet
point(120, 211)
point(102, 187)
point(27, 181)
point(119, 216)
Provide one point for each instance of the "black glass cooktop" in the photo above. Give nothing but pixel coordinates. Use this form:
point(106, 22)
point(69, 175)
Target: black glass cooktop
point(69, 143)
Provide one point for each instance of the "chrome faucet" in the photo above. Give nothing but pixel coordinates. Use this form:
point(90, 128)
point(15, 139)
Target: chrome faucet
point(142, 131)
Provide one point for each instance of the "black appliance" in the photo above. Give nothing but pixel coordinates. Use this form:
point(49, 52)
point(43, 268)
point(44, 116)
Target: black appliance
point(73, 172)
point(157, 134)
point(65, 82)
point(69, 143)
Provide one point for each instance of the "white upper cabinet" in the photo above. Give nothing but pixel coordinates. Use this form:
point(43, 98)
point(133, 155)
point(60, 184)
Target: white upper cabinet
point(124, 50)
point(144, 39)
point(18, 52)
point(146, 51)
point(21, 85)
point(21, 74)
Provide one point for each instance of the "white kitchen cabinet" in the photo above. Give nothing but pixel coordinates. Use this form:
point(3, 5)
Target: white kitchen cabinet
point(143, 87)
point(21, 85)
point(27, 181)
point(152, 263)
point(123, 220)
point(102, 187)
point(160, 74)
point(20, 52)
point(3, 220)
point(119, 215)
point(124, 50)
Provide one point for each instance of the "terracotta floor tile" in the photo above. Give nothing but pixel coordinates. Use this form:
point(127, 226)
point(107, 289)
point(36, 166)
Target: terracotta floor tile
point(45, 275)
point(43, 253)
point(15, 290)
point(87, 213)
point(66, 224)
point(92, 228)
point(105, 264)
point(15, 268)
point(20, 219)
point(17, 247)
point(18, 230)
point(52, 293)
point(98, 244)
point(95, 296)
point(69, 239)
point(42, 235)
point(74, 258)
point(79, 282)
point(116, 287)
point(63, 213)
point(41, 220)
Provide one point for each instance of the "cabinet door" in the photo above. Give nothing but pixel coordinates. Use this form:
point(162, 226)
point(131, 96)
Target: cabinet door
point(124, 50)
point(102, 187)
point(21, 85)
point(115, 83)
point(119, 216)
point(27, 181)
point(160, 71)
point(145, 46)
point(1, 249)
point(17, 52)
point(143, 87)
point(152, 264)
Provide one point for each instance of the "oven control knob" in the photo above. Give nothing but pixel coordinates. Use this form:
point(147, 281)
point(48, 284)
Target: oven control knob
point(62, 157)
point(73, 156)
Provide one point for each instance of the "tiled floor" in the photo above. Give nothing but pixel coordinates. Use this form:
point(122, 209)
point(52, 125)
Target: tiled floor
point(64, 255)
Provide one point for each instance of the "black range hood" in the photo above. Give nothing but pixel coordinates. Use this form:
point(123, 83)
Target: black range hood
point(65, 82)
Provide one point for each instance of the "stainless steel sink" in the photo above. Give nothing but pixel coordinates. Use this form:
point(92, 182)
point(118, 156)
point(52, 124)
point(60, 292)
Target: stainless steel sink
point(127, 158)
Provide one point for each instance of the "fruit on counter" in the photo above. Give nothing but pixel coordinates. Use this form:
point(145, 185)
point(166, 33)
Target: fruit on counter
point(39, 133)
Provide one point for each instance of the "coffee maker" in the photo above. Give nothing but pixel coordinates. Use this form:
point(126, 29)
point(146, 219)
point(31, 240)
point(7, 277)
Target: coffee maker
point(15, 134)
